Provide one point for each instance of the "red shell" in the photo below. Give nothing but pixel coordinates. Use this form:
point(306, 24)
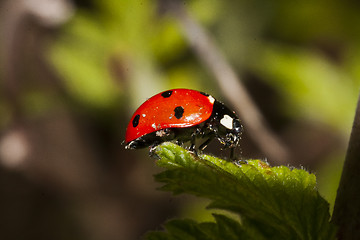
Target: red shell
point(158, 112)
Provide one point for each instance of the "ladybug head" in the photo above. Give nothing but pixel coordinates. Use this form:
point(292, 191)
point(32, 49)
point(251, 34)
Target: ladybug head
point(229, 131)
point(226, 125)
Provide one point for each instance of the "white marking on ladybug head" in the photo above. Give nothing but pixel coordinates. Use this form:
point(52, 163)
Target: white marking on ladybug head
point(227, 121)
point(211, 99)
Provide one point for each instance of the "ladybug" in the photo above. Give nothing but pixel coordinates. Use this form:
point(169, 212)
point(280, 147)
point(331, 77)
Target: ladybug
point(183, 115)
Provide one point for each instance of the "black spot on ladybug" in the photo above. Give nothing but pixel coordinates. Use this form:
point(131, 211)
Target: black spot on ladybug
point(205, 94)
point(179, 111)
point(166, 94)
point(135, 121)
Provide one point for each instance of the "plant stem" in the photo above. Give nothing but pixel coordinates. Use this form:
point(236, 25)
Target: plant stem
point(347, 205)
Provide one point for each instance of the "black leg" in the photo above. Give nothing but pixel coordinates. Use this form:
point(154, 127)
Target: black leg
point(179, 142)
point(152, 151)
point(192, 141)
point(204, 144)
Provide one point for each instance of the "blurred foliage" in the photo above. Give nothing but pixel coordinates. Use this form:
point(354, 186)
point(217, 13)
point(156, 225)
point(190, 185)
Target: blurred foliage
point(314, 87)
point(118, 30)
point(125, 44)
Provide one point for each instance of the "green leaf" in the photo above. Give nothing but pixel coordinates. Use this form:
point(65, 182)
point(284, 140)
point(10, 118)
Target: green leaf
point(223, 228)
point(273, 202)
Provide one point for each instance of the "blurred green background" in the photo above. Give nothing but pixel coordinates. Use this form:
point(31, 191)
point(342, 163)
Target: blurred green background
point(73, 72)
